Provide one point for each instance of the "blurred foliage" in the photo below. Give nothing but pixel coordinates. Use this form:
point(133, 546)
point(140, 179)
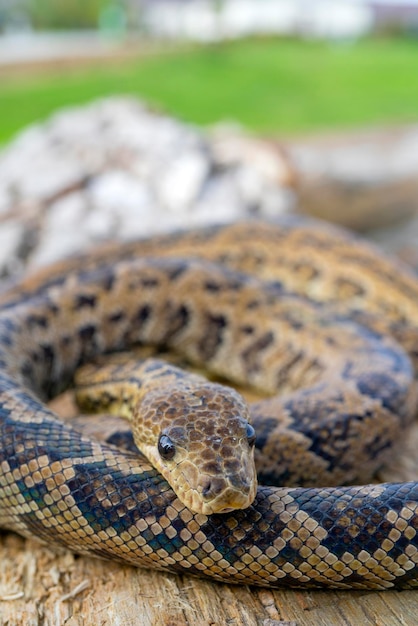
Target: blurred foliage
point(65, 14)
point(273, 86)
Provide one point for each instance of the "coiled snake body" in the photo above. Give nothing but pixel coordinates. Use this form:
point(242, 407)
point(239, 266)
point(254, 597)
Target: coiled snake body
point(295, 308)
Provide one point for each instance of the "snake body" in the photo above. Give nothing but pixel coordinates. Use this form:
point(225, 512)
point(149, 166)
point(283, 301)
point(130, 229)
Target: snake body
point(295, 308)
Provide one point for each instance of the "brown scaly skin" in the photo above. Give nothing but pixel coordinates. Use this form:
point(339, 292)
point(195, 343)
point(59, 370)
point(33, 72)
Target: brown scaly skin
point(211, 468)
point(356, 385)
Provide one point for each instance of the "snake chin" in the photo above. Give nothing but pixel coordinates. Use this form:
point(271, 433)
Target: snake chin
point(227, 500)
point(212, 508)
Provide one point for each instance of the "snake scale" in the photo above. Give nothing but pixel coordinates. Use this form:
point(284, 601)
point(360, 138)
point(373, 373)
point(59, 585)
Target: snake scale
point(323, 324)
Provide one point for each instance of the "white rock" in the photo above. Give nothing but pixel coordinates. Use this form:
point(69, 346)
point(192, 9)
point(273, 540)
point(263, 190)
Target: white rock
point(74, 123)
point(33, 169)
point(49, 176)
point(276, 201)
point(137, 223)
point(219, 202)
point(122, 206)
point(100, 224)
point(53, 249)
point(117, 190)
point(61, 234)
point(250, 185)
point(66, 213)
point(231, 147)
point(12, 234)
point(180, 184)
point(15, 160)
point(5, 199)
point(31, 139)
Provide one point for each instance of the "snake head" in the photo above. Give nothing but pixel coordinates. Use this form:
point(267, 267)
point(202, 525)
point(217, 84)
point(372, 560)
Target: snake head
point(203, 444)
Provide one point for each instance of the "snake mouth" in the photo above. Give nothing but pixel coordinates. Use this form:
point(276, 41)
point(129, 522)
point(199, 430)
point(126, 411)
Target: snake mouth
point(215, 507)
point(228, 500)
point(231, 509)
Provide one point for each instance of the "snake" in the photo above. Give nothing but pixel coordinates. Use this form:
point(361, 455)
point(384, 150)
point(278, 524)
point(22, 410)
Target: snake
point(323, 325)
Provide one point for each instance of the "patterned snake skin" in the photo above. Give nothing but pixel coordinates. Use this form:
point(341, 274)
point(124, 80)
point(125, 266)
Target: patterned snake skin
point(296, 308)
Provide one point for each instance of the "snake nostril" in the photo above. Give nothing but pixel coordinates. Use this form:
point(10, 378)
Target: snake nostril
point(212, 487)
point(206, 489)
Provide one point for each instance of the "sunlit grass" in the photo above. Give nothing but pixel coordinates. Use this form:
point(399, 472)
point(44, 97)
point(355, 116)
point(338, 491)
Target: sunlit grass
point(270, 86)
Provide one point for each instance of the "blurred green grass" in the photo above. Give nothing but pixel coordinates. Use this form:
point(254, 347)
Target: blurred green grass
point(271, 86)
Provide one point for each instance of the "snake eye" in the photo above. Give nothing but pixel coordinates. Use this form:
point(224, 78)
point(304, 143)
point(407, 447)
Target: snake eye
point(166, 448)
point(250, 432)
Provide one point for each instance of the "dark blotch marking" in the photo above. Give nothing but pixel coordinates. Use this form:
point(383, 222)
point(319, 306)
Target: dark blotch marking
point(264, 426)
point(251, 353)
point(103, 276)
point(292, 321)
point(143, 313)
point(85, 301)
point(213, 330)
point(177, 319)
point(284, 372)
point(212, 287)
point(177, 271)
point(149, 282)
point(34, 320)
point(108, 281)
point(47, 353)
point(383, 387)
point(114, 318)
point(87, 333)
point(124, 440)
point(28, 371)
point(53, 308)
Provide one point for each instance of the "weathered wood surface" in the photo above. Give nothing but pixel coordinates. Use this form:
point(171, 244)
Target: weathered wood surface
point(40, 587)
